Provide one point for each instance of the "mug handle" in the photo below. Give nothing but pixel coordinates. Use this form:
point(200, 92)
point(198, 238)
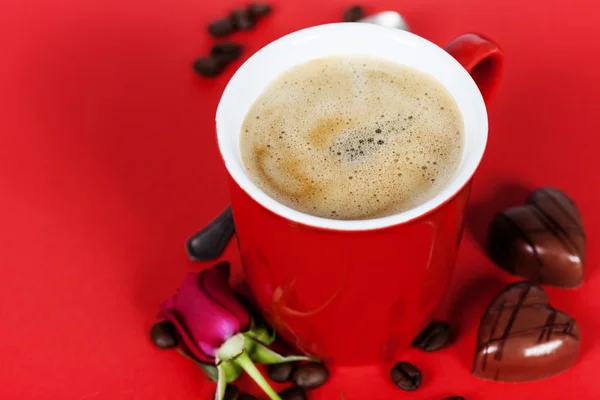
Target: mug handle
point(482, 58)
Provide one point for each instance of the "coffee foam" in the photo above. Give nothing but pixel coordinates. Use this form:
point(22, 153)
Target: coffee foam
point(352, 138)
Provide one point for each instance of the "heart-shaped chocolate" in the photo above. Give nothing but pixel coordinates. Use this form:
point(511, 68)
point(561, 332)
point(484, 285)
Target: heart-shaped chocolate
point(522, 338)
point(542, 241)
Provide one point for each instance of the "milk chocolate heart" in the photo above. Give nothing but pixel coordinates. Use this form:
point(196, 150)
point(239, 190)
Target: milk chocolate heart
point(522, 338)
point(542, 241)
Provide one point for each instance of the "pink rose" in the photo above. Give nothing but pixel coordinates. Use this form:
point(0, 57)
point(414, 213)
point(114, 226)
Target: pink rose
point(206, 312)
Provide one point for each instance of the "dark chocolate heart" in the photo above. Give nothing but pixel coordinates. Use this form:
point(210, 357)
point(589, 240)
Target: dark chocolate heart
point(522, 338)
point(542, 241)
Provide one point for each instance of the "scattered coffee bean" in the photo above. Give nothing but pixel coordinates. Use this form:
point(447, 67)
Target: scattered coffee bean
point(231, 392)
point(280, 372)
point(208, 66)
point(259, 9)
point(221, 27)
point(293, 393)
point(247, 397)
point(353, 14)
point(242, 19)
point(406, 376)
point(163, 335)
point(310, 376)
point(434, 337)
point(211, 241)
point(455, 398)
point(226, 51)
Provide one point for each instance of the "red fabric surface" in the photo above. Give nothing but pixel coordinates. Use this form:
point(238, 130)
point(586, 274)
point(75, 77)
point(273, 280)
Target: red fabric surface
point(108, 162)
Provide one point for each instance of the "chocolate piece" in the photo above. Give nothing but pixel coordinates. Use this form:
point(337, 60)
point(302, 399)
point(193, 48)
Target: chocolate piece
point(542, 241)
point(293, 393)
point(280, 372)
point(242, 19)
point(226, 51)
point(522, 338)
point(164, 335)
point(434, 337)
point(210, 242)
point(310, 376)
point(353, 14)
point(258, 10)
point(221, 27)
point(406, 376)
point(208, 66)
point(247, 397)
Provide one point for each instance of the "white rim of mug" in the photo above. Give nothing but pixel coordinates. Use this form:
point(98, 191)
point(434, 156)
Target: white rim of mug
point(230, 148)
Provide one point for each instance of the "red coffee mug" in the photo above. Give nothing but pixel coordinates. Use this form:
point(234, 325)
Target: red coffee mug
point(355, 292)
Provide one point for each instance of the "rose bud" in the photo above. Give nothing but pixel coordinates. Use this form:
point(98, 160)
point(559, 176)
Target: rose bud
point(214, 327)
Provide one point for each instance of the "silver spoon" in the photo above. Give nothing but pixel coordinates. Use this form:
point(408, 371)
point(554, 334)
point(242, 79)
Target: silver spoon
point(389, 19)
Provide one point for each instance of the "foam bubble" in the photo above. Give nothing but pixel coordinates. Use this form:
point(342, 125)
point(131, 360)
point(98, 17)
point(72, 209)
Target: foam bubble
point(352, 138)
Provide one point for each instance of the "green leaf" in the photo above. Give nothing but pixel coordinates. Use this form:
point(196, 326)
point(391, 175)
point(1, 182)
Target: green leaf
point(246, 363)
point(260, 333)
point(263, 355)
point(211, 371)
point(231, 370)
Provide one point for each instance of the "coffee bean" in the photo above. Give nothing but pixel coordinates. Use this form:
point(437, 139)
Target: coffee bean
point(221, 27)
point(258, 10)
point(208, 66)
point(434, 337)
point(242, 19)
point(226, 51)
point(247, 397)
point(280, 372)
point(293, 393)
point(354, 14)
point(310, 376)
point(231, 393)
point(163, 335)
point(406, 376)
point(454, 398)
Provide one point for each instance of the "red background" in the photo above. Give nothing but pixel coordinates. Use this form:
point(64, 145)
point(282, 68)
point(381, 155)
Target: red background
point(108, 162)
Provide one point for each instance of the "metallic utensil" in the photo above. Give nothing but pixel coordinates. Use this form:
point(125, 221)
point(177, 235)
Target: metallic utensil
point(389, 19)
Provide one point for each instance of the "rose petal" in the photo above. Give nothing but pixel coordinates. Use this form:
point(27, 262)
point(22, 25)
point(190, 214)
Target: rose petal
point(208, 321)
point(216, 284)
point(187, 342)
point(169, 303)
point(200, 317)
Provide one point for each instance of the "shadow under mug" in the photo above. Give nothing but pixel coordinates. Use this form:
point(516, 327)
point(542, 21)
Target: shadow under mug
point(355, 292)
